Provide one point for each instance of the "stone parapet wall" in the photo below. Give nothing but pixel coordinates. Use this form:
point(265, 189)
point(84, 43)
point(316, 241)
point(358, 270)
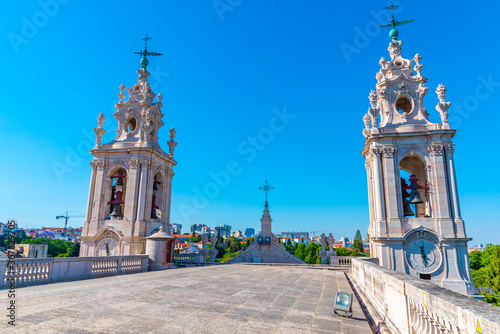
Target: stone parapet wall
point(412, 305)
point(26, 272)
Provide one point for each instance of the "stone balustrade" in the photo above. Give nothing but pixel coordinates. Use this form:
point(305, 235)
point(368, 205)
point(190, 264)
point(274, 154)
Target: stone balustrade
point(26, 272)
point(411, 305)
point(342, 261)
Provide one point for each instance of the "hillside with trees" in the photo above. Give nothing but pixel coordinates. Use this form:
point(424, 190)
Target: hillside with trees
point(485, 271)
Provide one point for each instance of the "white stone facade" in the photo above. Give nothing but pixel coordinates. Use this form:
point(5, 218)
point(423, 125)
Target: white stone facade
point(402, 138)
point(142, 203)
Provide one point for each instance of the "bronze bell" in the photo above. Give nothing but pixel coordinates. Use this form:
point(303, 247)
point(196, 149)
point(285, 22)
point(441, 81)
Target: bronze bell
point(407, 208)
point(117, 211)
point(415, 196)
point(153, 213)
point(119, 182)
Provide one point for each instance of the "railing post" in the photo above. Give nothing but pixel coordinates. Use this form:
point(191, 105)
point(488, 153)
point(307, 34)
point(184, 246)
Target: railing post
point(3, 271)
point(119, 265)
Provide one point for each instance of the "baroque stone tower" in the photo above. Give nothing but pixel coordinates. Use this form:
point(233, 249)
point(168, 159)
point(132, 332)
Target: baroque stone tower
point(131, 183)
point(415, 222)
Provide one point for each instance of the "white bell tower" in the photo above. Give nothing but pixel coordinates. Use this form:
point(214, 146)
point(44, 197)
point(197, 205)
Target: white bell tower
point(415, 222)
point(131, 183)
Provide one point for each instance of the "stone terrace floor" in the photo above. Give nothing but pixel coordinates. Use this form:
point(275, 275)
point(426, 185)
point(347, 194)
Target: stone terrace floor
point(232, 298)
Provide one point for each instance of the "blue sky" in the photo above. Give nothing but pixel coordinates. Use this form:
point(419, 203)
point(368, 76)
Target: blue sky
point(229, 67)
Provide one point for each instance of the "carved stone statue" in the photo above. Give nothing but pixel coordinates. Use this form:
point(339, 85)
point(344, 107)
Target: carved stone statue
point(99, 131)
point(121, 96)
point(323, 240)
point(171, 143)
point(331, 242)
point(213, 250)
point(204, 241)
point(147, 124)
point(322, 253)
point(374, 110)
point(443, 106)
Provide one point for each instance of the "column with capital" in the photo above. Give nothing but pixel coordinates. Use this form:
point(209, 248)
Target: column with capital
point(452, 177)
point(167, 199)
point(99, 201)
point(90, 199)
point(378, 192)
point(371, 199)
point(149, 199)
point(393, 204)
point(130, 209)
point(440, 193)
point(142, 200)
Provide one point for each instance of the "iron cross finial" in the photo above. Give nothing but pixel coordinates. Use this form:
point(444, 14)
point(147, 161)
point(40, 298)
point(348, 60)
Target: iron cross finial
point(394, 33)
point(146, 39)
point(266, 188)
point(145, 53)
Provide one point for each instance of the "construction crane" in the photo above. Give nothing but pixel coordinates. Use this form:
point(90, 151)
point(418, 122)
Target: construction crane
point(66, 221)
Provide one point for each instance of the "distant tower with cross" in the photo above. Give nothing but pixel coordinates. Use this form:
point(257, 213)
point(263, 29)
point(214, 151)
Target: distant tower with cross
point(416, 225)
point(131, 182)
point(266, 217)
point(266, 247)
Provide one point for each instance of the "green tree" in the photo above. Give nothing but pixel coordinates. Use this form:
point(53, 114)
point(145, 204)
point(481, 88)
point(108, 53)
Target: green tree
point(357, 244)
point(288, 242)
point(311, 252)
point(195, 238)
point(485, 272)
point(300, 252)
point(475, 260)
point(346, 252)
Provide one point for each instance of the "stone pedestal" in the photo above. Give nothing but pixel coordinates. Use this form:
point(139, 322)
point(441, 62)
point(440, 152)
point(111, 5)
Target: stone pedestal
point(160, 249)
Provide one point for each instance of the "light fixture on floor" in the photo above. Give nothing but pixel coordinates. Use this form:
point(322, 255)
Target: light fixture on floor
point(343, 304)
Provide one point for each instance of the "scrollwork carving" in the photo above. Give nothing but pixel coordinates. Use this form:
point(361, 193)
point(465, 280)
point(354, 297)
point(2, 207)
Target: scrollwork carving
point(377, 152)
point(99, 164)
point(389, 152)
point(449, 148)
point(436, 149)
point(134, 162)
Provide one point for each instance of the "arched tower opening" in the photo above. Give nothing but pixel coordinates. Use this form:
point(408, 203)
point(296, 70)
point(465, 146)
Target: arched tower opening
point(414, 187)
point(157, 200)
point(117, 185)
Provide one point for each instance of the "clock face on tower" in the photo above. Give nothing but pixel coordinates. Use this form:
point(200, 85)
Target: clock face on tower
point(107, 247)
point(422, 253)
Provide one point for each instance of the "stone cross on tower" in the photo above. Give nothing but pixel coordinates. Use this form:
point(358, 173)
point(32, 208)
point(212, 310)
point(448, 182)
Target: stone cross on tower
point(266, 188)
point(145, 53)
point(266, 217)
point(394, 33)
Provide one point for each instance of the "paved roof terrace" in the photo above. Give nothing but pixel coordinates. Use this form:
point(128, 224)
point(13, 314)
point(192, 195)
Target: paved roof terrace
point(233, 298)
